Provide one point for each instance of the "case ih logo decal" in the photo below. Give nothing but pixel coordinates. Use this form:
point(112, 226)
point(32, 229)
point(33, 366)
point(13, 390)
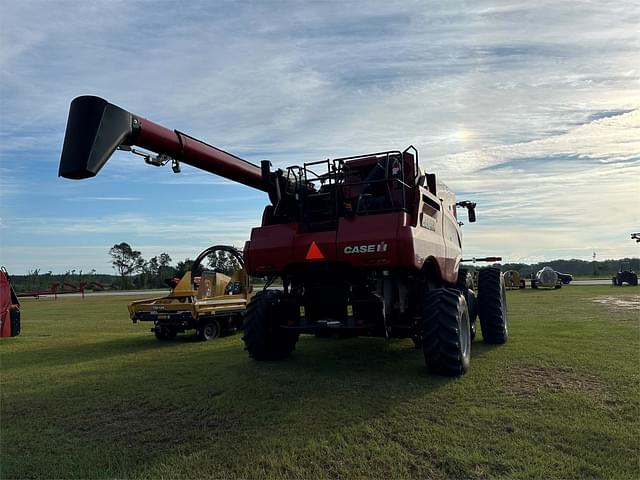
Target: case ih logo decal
point(371, 248)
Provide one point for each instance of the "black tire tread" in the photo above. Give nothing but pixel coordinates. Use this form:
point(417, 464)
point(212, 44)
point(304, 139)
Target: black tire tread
point(440, 339)
point(201, 335)
point(491, 310)
point(165, 334)
point(261, 339)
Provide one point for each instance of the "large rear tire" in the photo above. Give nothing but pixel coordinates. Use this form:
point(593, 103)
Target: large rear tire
point(492, 306)
point(446, 332)
point(263, 338)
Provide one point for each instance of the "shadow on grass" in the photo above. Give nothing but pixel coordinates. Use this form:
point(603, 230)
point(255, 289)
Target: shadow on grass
point(66, 353)
point(480, 349)
point(183, 400)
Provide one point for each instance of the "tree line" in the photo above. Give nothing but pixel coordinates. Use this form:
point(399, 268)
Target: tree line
point(133, 271)
point(37, 280)
point(136, 272)
point(604, 268)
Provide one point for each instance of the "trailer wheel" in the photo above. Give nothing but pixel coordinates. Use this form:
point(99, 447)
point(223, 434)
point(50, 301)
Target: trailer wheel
point(446, 332)
point(165, 333)
point(263, 338)
point(492, 306)
point(208, 330)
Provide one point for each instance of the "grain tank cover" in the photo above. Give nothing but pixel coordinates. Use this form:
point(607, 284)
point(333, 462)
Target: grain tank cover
point(95, 129)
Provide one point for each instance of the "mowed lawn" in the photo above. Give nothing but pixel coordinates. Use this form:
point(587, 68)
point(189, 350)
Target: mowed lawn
point(86, 394)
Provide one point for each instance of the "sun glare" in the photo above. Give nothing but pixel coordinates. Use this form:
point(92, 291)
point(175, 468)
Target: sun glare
point(464, 134)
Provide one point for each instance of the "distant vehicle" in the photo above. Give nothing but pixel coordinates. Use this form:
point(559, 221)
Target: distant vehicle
point(513, 280)
point(625, 275)
point(565, 278)
point(213, 306)
point(546, 278)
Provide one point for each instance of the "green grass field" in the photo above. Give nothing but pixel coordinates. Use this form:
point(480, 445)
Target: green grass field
point(86, 394)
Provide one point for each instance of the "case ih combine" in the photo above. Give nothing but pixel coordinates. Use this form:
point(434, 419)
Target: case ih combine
point(364, 245)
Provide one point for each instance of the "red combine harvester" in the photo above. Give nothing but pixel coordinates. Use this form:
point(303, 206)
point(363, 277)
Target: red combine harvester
point(9, 307)
point(364, 245)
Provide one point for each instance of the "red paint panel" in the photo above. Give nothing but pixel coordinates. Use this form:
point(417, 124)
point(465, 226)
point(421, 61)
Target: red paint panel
point(270, 248)
point(5, 306)
point(357, 233)
point(368, 241)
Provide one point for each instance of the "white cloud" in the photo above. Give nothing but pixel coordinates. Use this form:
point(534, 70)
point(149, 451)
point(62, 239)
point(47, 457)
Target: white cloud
point(609, 140)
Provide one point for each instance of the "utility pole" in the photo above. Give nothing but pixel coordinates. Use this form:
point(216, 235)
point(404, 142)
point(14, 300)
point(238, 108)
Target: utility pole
point(595, 270)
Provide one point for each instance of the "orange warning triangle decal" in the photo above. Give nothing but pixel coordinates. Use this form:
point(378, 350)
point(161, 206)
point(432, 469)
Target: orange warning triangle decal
point(314, 252)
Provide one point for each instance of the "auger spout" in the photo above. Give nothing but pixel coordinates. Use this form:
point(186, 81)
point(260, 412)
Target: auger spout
point(97, 128)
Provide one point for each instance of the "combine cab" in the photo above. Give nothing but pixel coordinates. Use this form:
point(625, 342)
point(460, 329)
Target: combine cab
point(364, 245)
point(212, 308)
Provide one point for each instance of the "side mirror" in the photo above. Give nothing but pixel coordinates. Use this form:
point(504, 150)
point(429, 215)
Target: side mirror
point(472, 212)
point(471, 208)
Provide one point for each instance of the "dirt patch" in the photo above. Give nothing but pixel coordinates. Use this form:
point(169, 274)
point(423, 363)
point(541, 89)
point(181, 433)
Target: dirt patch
point(530, 381)
point(620, 304)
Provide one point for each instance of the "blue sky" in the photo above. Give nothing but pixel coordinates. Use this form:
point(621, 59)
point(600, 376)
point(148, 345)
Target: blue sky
point(532, 109)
